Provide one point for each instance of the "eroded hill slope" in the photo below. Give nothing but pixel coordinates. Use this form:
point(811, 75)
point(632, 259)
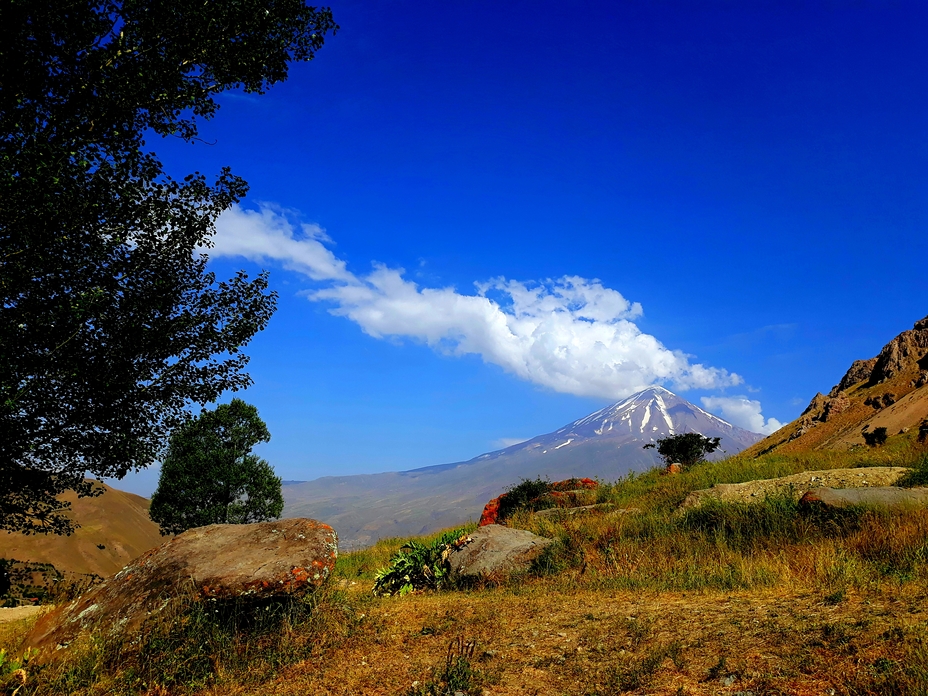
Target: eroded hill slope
point(887, 391)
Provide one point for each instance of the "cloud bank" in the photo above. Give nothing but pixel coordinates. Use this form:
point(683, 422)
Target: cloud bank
point(743, 412)
point(570, 334)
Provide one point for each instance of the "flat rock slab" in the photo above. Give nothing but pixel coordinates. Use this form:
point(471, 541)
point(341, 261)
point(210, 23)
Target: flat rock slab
point(248, 562)
point(495, 551)
point(569, 511)
point(797, 484)
point(883, 496)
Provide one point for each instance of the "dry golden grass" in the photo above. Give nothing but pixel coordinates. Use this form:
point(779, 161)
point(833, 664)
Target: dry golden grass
point(550, 637)
point(726, 599)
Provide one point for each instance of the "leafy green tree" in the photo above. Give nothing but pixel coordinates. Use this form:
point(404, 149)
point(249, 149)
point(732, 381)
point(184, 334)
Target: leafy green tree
point(110, 324)
point(685, 448)
point(210, 476)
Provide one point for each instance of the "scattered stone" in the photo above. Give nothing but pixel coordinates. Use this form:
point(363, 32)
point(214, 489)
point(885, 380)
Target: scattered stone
point(876, 496)
point(247, 562)
point(494, 551)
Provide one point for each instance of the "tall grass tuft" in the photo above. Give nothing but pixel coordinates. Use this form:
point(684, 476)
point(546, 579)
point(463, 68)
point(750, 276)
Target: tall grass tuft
point(192, 645)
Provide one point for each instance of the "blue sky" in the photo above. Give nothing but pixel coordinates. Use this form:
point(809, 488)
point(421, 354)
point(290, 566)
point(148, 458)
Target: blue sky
point(486, 220)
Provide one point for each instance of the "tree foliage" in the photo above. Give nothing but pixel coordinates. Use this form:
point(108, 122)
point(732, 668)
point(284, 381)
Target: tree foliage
point(685, 448)
point(110, 323)
point(210, 476)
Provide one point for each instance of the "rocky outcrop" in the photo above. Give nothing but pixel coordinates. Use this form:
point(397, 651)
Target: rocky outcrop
point(906, 349)
point(567, 493)
point(834, 406)
point(859, 371)
point(878, 496)
point(494, 552)
point(818, 402)
point(249, 563)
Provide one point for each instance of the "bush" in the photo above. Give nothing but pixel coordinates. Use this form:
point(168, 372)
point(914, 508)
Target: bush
point(526, 495)
point(875, 437)
point(194, 645)
point(458, 675)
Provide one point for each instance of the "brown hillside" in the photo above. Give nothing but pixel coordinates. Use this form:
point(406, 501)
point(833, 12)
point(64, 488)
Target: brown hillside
point(117, 521)
point(888, 391)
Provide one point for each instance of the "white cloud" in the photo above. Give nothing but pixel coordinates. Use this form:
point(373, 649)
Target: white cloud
point(572, 335)
point(267, 234)
point(743, 412)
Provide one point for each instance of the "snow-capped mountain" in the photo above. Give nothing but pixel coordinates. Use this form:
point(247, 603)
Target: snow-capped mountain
point(607, 444)
point(644, 417)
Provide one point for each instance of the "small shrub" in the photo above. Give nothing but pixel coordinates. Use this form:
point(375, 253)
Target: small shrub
point(417, 566)
point(13, 673)
point(875, 437)
point(458, 675)
point(526, 495)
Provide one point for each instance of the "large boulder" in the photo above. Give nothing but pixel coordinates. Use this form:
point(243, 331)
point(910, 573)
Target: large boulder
point(246, 562)
point(881, 496)
point(494, 551)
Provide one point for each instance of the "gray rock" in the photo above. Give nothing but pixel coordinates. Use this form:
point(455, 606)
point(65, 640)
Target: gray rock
point(495, 551)
point(878, 496)
point(567, 512)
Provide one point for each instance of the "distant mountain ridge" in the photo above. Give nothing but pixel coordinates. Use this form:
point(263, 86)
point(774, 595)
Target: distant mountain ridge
point(606, 444)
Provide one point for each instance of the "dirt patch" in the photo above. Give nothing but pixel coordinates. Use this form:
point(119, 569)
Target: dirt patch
point(797, 484)
point(8, 614)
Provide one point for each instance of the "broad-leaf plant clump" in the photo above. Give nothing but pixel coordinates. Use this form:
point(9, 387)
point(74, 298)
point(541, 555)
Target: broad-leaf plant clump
point(418, 566)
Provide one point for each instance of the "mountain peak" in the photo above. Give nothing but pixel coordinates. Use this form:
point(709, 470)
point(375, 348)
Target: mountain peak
point(650, 414)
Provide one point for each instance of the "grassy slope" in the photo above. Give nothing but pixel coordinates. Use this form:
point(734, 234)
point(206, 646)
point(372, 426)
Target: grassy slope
point(719, 600)
point(118, 521)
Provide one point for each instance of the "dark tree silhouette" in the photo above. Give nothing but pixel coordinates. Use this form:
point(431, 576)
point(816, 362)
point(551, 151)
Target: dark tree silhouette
point(110, 324)
point(686, 448)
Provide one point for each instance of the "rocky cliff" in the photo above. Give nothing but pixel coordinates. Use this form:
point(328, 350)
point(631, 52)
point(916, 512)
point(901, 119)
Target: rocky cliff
point(887, 391)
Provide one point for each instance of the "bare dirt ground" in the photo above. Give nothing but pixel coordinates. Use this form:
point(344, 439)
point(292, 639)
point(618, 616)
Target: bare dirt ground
point(797, 484)
point(8, 614)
